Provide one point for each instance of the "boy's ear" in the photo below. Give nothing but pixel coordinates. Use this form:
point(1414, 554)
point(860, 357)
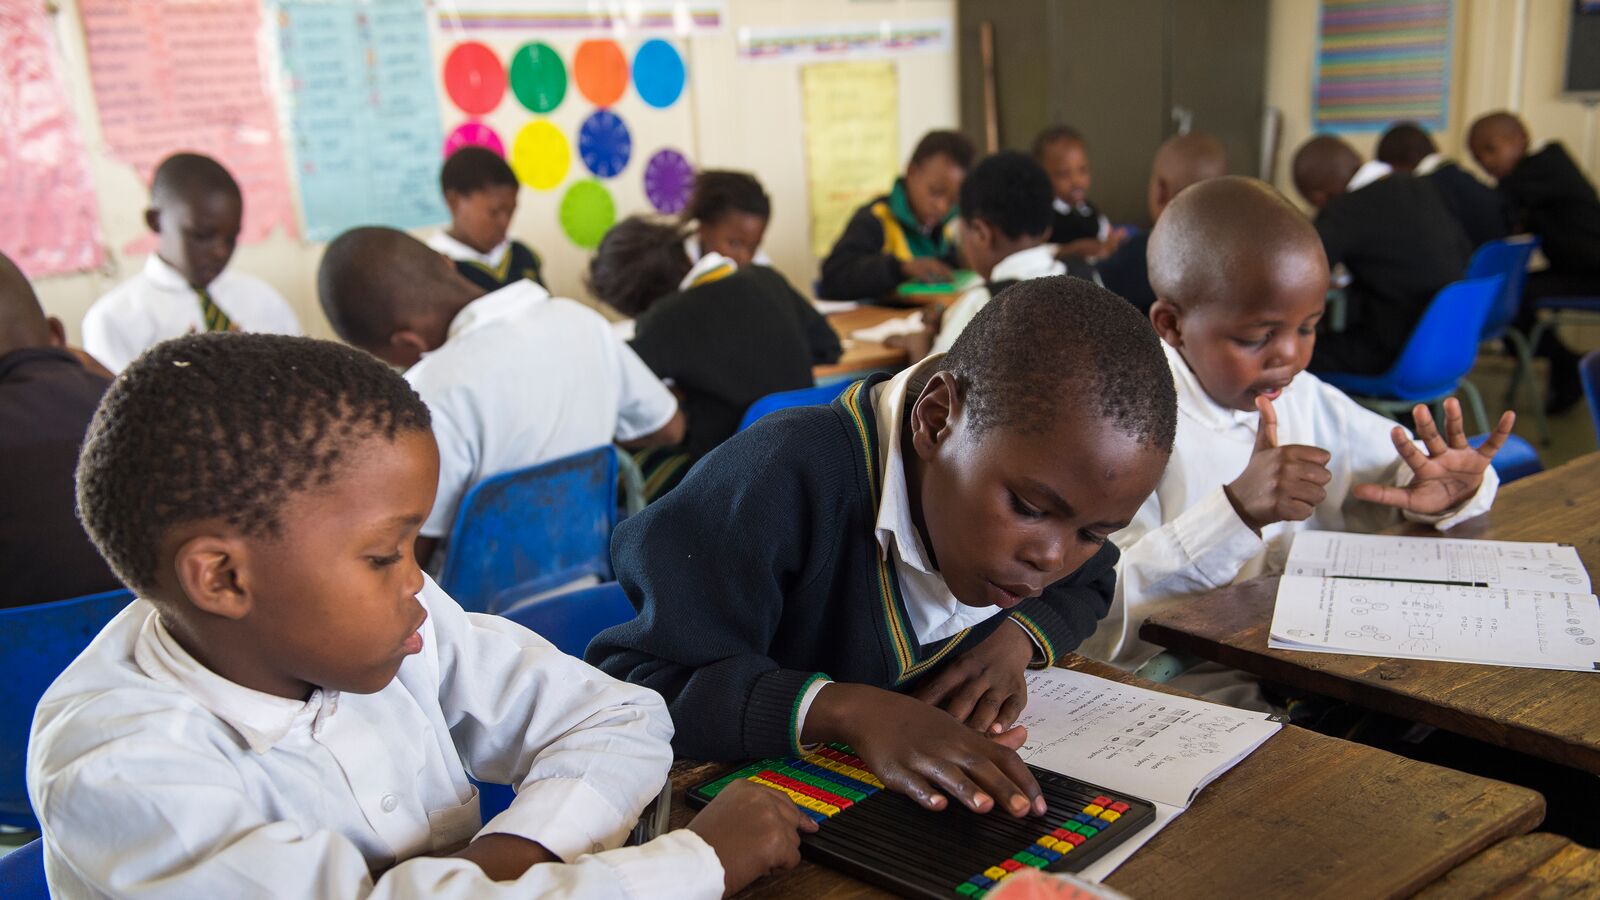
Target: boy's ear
point(1167, 317)
point(152, 219)
point(406, 348)
point(211, 571)
point(451, 199)
point(58, 331)
point(934, 414)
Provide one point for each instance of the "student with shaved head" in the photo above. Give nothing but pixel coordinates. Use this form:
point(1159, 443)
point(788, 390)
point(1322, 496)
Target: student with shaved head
point(1396, 237)
point(47, 397)
point(1264, 449)
point(1182, 160)
point(195, 211)
point(512, 377)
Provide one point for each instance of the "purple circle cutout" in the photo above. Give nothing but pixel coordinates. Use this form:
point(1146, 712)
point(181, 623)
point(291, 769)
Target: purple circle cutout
point(668, 181)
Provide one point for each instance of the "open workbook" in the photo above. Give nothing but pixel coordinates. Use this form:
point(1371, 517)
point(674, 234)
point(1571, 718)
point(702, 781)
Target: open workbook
point(1159, 747)
point(1500, 603)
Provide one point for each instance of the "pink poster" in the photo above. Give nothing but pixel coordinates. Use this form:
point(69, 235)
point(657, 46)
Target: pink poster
point(50, 224)
point(173, 75)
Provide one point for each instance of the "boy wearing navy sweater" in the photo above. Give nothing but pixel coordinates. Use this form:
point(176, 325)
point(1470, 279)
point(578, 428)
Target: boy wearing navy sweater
point(841, 573)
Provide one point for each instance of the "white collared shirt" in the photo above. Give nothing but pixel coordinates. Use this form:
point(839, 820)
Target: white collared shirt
point(1034, 262)
point(1370, 171)
point(1061, 206)
point(1187, 539)
point(456, 250)
point(691, 246)
point(158, 304)
point(712, 263)
point(1429, 164)
point(524, 378)
point(155, 777)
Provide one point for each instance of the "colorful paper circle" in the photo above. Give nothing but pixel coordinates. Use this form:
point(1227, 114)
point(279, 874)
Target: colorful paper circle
point(604, 144)
point(473, 134)
point(540, 155)
point(538, 77)
point(474, 78)
point(601, 70)
point(658, 73)
point(587, 213)
point(668, 181)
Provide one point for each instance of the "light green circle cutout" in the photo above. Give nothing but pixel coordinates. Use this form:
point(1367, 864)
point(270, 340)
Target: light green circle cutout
point(587, 213)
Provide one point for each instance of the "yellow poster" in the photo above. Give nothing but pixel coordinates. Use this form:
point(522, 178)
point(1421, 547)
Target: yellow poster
point(852, 114)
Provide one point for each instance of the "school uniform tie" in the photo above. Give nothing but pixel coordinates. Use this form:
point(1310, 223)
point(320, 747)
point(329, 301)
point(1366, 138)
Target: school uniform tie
point(215, 318)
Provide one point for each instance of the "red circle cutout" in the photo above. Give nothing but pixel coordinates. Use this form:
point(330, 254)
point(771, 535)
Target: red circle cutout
point(474, 78)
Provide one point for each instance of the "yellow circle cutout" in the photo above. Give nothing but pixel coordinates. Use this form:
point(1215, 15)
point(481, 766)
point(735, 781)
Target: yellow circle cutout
point(541, 155)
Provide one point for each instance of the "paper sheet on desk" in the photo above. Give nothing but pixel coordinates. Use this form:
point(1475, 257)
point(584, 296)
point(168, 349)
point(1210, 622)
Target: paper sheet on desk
point(888, 328)
point(1501, 564)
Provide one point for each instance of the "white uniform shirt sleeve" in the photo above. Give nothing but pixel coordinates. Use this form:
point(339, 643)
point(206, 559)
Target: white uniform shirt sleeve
point(644, 405)
point(277, 315)
point(112, 335)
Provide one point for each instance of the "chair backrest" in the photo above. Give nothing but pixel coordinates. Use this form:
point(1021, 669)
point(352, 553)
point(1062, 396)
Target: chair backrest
point(1444, 345)
point(36, 643)
point(520, 533)
point(1508, 257)
point(1517, 458)
point(571, 620)
point(1589, 370)
point(811, 396)
point(22, 873)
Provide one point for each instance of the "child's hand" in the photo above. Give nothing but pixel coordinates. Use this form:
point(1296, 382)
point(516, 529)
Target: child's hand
point(504, 857)
point(1451, 472)
point(1113, 240)
point(1280, 484)
point(917, 749)
point(925, 269)
point(753, 830)
point(984, 687)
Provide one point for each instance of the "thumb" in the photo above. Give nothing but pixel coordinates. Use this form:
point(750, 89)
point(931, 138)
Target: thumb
point(1012, 738)
point(1267, 430)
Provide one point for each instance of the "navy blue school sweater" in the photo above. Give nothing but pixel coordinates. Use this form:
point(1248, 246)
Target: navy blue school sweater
point(761, 573)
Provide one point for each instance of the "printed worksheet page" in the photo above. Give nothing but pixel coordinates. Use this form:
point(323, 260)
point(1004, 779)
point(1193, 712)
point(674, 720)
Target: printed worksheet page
point(1500, 564)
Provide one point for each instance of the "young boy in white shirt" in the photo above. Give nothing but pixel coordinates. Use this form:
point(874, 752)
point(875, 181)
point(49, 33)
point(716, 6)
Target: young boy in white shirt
point(195, 211)
point(1264, 448)
point(292, 709)
point(513, 378)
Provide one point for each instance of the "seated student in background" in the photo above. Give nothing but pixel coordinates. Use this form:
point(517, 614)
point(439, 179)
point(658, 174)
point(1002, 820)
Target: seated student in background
point(47, 396)
point(1407, 149)
point(481, 192)
point(1078, 230)
point(1550, 197)
point(195, 211)
point(725, 336)
point(1005, 217)
point(905, 235)
point(1264, 448)
point(728, 214)
point(1396, 237)
point(513, 378)
point(881, 571)
point(1182, 160)
point(292, 709)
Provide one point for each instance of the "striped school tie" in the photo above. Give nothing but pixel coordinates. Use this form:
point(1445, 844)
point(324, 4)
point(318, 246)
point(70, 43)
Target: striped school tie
point(215, 318)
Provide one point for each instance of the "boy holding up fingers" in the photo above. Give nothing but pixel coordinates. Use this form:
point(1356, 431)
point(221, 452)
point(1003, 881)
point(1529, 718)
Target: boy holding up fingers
point(1264, 449)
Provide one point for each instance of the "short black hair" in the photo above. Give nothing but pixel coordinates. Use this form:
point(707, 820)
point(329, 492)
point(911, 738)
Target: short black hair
point(1055, 133)
point(1045, 344)
point(226, 426)
point(1404, 145)
point(186, 177)
point(473, 168)
point(372, 277)
point(1011, 192)
point(718, 192)
point(639, 261)
point(952, 145)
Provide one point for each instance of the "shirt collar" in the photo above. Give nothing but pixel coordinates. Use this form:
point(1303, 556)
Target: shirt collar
point(691, 246)
point(1370, 171)
point(1034, 262)
point(261, 719)
point(496, 306)
point(711, 267)
point(1193, 399)
point(1430, 164)
point(1067, 209)
point(165, 277)
point(455, 249)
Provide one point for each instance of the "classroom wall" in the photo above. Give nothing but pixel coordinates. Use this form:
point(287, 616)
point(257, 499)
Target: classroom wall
point(741, 116)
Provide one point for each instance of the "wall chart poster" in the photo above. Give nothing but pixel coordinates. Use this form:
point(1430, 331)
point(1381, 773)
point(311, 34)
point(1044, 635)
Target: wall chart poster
point(1382, 62)
point(679, 17)
point(364, 113)
point(852, 114)
point(51, 225)
point(855, 40)
point(171, 76)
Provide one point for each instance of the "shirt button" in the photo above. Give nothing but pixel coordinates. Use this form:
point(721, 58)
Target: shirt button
point(390, 801)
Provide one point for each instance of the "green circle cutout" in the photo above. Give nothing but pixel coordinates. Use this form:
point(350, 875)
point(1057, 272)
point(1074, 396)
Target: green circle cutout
point(587, 213)
point(538, 77)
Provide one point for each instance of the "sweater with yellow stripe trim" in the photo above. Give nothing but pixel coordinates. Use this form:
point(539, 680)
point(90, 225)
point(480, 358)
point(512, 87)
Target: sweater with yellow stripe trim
point(761, 571)
point(864, 263)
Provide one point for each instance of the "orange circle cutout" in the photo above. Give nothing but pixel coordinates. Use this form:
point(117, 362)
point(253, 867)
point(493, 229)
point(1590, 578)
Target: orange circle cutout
point(601, 70)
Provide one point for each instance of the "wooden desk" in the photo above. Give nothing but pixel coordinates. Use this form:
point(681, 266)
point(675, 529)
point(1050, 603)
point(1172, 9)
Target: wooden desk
point(1304, 816)
point(1552, 715)
point(862, 356)
point(1527, 867)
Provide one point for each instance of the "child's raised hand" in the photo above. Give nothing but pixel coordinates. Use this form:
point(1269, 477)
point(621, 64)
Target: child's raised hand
point(753, 830)
point(984, 687)
point(1280, 484)
point(1451, 471)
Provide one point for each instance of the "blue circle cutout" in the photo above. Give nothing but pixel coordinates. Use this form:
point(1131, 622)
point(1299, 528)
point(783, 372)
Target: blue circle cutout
point(658, 73)
point(604, 143)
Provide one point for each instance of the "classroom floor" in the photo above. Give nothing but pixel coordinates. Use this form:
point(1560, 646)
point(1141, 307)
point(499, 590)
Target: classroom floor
point(1572, 434)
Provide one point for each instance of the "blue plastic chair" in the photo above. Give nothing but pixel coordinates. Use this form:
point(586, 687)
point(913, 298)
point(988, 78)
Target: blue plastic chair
point(22, 873)
point(1517, 458)
point(520, 533)
point(1435, 361)
point(36, 643)
point(1509, 257)
point(1589, 372)
point(821, 395)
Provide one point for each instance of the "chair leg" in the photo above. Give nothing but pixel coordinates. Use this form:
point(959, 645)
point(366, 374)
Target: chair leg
point(1166, 665)
point(632, 482)
point(1475, 402)
point(1524, 351)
